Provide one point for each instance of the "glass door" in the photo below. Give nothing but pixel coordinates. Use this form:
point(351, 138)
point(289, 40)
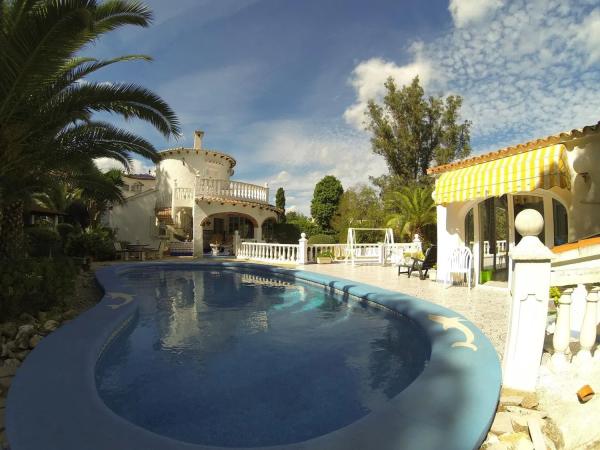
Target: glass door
point(493, 224)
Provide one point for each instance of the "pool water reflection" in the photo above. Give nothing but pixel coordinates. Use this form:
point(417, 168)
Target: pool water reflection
point(232, 358)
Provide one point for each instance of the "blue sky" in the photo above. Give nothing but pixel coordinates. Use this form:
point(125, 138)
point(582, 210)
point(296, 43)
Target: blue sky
point(281, 85)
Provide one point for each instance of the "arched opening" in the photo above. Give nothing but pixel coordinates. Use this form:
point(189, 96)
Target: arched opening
point(220, 229)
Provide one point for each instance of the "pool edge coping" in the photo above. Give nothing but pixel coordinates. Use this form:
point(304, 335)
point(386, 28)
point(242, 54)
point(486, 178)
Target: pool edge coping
point(478, 399)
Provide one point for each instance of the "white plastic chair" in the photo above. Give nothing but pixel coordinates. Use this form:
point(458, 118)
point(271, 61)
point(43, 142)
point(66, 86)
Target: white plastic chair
point(461, 262)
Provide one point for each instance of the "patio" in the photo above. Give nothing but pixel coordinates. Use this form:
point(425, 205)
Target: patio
point(486, 307)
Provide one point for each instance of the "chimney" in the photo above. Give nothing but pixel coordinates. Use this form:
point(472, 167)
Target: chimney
point(198, 139)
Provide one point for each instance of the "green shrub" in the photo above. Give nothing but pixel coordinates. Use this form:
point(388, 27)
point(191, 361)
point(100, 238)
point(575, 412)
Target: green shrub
point(64, 230)
point(34, 284)
point(96, 244)
point(326, 254)
point(321, 239)
point(286, 233)
point(43, 241)
point(555, 294)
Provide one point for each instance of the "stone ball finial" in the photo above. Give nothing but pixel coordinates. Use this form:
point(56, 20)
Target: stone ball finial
point(529, 222)
point(303, 235)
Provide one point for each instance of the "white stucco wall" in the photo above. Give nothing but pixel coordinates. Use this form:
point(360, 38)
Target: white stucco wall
point(134, 220)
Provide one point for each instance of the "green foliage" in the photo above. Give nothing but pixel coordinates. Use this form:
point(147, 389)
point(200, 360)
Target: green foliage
point(555, 294)
point(412, 210)
point(325, 201)
point(280, 198)
point(325, 254)
point(96, 243)
point(410, 130)
point(50, 92)
point(304, 224)
point(360, 207)
point(286, 233)
point(321, 239)
point(43, 241)
point(34, 284)
point(65, 229)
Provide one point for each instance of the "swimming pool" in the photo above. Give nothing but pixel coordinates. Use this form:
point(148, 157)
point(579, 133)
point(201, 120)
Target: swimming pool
point(203, 355)
point(229, 358)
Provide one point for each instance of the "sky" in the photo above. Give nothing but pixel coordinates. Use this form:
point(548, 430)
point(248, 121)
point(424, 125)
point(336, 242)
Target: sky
point(281, 85)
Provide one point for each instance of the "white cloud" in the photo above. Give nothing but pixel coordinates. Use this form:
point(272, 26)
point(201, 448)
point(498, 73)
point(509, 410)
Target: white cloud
point(471, 11)
point(588, 35)
point(530, 69)
point(368, 79)
point(137, 166)
point(295, 155)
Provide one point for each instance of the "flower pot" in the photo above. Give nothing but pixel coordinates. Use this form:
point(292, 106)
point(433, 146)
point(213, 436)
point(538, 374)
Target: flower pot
point(214, 248)
point(323, 260)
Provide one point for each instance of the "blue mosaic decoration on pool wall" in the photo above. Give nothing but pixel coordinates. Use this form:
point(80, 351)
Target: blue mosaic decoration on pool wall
point(54, 401)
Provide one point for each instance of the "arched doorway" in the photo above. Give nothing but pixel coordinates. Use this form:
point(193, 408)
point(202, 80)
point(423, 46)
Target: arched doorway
point(220, 229)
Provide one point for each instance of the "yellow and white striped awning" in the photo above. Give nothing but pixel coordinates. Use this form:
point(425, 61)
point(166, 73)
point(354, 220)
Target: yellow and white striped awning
point(542, 168)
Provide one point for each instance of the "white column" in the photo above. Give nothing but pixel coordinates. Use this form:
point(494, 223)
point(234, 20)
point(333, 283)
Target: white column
point(443, 239)
point(258, 234)
point(236, 242)
point(197, 232)
point(302, 249)
point(530, 294)
point(418, 243)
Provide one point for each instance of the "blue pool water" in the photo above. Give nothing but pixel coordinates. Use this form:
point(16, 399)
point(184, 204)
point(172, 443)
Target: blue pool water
point(235, 359)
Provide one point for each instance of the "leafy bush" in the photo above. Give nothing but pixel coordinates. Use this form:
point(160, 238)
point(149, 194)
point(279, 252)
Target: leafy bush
point(95, 243)
point(43, 241)
point(325, 254)
point(286, 233)
point(321, 239)
point(555, 294)
point(34, 284)
point(64, 230)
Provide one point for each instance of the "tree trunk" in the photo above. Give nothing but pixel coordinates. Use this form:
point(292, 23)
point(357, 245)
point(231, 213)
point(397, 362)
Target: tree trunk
point(12, 238)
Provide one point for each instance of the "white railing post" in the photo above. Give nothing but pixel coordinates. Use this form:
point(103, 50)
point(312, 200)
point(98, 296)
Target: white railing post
point(530, 294)
point(302, 249)
point(562, 331)
point(587, 336)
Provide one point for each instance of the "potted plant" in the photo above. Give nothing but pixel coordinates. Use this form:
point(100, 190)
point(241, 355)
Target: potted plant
point(215, 244)
point(325, 257)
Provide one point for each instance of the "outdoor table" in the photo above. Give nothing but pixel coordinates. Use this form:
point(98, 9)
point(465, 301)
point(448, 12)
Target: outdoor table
point(139, 249)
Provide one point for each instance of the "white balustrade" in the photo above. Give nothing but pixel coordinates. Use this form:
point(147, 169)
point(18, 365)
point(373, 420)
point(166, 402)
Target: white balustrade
point(262, 251)
point(587, 336)
point(562, 331)
point(234, 190)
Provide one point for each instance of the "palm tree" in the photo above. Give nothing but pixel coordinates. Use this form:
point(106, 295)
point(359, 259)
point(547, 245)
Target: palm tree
point(47, 105)
point(412, 209)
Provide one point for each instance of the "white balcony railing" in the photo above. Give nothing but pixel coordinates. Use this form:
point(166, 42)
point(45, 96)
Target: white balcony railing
point(233, 190)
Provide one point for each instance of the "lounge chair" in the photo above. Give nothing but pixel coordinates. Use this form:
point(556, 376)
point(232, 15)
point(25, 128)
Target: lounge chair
point(422, 265)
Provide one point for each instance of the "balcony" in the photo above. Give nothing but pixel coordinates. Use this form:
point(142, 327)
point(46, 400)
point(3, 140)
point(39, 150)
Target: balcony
point(231, 190)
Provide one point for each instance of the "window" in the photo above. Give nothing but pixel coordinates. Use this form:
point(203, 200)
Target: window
point(561, 223)
point(243, 225)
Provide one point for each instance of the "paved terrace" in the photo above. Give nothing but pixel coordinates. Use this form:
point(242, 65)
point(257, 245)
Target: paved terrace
point(486, 307)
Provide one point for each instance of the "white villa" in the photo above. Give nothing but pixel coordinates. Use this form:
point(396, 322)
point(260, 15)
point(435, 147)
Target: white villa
point(192, 202)
point(479, 198)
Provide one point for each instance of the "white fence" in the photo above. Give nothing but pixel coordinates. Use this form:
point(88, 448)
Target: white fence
point(262, 251)
point(302, 253)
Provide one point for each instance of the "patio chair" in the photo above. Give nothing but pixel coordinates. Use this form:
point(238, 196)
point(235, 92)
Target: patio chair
point(460, 262)
point(156, 253)
point(122, 253)
point(422, 265)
